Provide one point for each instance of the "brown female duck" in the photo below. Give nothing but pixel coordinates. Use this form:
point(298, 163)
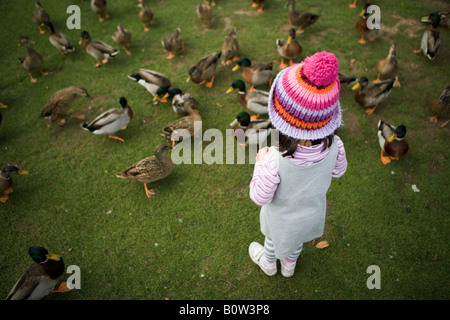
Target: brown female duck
point(230, 47)
point(59, 104)
point(146, 15)
point(122, 37)
point(149, 169)
point(204, 70)
point(300, 19)
point(181, 126)
point(99, 7)
point(173, 43)
point(33, 61)
point(39, 16)
point(440, 107)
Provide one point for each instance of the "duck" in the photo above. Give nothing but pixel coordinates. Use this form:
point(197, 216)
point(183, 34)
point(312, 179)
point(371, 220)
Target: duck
point(389, 65)
point(33, 61)
point(146, 15)
point(255, 130)
point(58, 39)
point(230, 47)
point(300, 19)
point(59, 104)
point(166, 92)
point(173, 43)
point(111, 121)
point(392, 141)
point(361, 25)
point(99, 7)
point(182, 101)
point(151, 80)
point(149, 169)
point(39, 16)
point(204, 13)
point(204, 70)
point(372, 94)
point(260, 74)
point(257, 101)
point(40, 277)
point(258, 4)
point(99, 50)
point(6, 181)
point(432, 38)
point(440, 107)
point(289, 49)
point(183, 125)
point(122, 37)
point(444, 16)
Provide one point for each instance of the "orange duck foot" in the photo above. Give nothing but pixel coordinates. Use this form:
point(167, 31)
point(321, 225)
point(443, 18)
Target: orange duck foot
point(210, 83)
point(369, 111)
point(63, 287)
point(384, 159)
point(116, 138)
point(4, 198)
point(149, 192)
point(352, 5)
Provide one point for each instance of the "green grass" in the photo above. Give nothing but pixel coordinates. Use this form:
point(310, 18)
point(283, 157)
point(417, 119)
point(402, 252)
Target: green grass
point(190, 241)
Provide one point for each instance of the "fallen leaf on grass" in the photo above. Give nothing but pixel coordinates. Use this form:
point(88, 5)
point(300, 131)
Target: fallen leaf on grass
point(322, 244)
point(219, 105)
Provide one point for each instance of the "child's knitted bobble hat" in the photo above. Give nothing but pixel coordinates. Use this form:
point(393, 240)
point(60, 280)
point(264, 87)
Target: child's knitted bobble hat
point(304, 98)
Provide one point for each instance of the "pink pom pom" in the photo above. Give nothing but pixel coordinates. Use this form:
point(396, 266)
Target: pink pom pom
point(321, 68)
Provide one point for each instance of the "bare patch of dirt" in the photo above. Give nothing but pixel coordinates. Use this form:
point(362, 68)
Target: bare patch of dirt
point(407, 26)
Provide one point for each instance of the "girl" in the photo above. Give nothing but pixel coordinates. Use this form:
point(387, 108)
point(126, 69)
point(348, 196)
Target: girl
point(291, 182)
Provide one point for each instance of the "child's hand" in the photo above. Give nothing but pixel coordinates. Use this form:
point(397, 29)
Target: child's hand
point(262, 153)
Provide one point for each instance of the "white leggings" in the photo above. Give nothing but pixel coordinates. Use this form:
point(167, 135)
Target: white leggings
point(269, 251)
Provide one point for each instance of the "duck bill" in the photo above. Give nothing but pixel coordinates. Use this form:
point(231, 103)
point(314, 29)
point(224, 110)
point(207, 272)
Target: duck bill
point(188, 79)
point(22, 172)
point(53, 256)
point(234, 123)
point(230, 89)
point(425, 19)
point(235, 67)
point(289, 40)
point(356, 86)
point(392, 138)
point(81, 41)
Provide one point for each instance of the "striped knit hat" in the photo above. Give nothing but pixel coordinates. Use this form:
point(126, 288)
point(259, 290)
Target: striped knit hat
point(304, 98)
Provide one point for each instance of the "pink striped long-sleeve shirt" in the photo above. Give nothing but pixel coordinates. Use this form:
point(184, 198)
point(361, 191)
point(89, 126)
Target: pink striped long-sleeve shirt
point(266, 178)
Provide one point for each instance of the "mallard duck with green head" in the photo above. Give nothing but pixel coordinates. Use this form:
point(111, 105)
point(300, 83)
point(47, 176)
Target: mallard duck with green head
point(440, 107)
point(173, 43)
point(97, 49)
point(432, 37)
point(58, 39)
point(289, 49)
point(59, 104)
point(33, 61)
point(151, 80)
point(6, 181)
point(257, 101)
point(300, 19)
point(389, 65)
point(39, 16)
point(146, 16)
point(41, 276)
point(250, 131)
point(230, 47)
point(111, 121)
point(259, 74)
point(204, 14)
point(99, 7)
point(122, 37)
point(372, 94)
point(392, 141)
point(203, 72)
point(183, 126)
point(149, 169)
